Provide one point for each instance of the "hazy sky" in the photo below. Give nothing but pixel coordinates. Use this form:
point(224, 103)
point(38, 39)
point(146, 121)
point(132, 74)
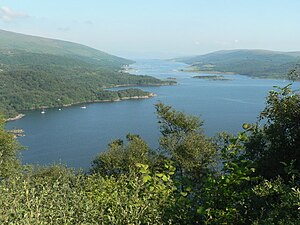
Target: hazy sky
point(159, 28)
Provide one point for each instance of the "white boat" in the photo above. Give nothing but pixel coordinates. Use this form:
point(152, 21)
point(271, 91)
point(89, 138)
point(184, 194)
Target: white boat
point(43, 112)
point(59, 109)
point(83, 107)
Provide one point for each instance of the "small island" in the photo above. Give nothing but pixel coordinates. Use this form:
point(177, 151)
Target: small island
point(212, 77)
point(171, 78)
point(206, 69)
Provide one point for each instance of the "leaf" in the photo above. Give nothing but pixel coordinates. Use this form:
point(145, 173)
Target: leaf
point(165, 178)
point(184, 194)
point(146, 178)
point(201, 210)
point(188, 189)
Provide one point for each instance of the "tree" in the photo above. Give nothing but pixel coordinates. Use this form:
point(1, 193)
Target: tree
point(225, 193)
point(9, 147)
point(276, 146)
point(121, 158)
point(184, 143)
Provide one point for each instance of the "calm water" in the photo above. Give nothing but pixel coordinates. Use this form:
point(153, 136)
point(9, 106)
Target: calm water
point(74, 136)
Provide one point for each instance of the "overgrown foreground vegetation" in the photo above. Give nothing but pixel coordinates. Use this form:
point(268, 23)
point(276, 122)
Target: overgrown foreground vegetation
point(250, 178)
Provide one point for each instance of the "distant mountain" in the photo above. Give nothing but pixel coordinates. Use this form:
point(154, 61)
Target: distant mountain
point(255, 63)
point(39, 72)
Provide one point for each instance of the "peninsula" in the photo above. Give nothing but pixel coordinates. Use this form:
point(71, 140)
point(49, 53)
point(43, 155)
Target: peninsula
point(38, 72)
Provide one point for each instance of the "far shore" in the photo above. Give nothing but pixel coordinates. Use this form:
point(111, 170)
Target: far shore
point(192, 69)
point(150, 95)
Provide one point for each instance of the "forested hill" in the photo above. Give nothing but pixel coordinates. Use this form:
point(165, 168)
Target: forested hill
point(39, 72)
point(11, 42)
point(255, 63)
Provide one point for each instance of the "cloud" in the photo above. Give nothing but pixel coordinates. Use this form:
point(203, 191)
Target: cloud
point(8, 15)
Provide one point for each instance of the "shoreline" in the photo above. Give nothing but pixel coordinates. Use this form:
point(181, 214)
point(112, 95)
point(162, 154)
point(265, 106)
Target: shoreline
point(164, 83)
point(150, 95)
point(19, 116)
point(167, 83)
point(105, 100)
point(204, 72)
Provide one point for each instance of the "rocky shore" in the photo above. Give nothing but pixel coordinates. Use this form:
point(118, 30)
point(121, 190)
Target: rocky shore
point(15, 118)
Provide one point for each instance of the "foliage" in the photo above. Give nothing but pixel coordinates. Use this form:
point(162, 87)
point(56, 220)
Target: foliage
point(225, 193)
point(276, 145)
point(121, 158)
point(34, 199)
point(276, 202)
point(259, 178)
point(184, 142)
point(237, 195)
point(143, 199)
point(57, 196)
point(9, 147)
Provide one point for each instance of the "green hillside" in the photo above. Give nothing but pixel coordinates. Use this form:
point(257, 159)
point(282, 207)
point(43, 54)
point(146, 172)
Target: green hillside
point(39, 72)
point(254, 63)
point(10, 41)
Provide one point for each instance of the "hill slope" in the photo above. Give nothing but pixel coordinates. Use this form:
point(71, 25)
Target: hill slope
point(10, 41)
point(39, 72)
point(255, 63)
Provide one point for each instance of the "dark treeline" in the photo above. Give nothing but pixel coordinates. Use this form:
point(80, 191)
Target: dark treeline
point(249, 178)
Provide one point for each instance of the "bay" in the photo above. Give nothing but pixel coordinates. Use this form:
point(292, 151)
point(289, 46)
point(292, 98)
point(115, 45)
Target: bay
point(74, 136)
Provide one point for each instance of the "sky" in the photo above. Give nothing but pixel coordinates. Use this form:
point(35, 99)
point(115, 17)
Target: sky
point(159, 28)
